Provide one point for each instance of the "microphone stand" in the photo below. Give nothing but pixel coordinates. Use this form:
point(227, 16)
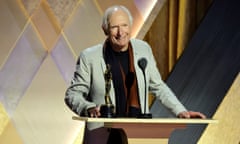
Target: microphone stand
point(142, 64)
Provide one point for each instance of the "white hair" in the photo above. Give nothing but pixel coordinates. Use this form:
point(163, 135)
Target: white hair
point(108, 13)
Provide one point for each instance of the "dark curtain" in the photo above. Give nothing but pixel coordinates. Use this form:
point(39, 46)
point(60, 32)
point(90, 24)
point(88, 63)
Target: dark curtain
point(207, 67)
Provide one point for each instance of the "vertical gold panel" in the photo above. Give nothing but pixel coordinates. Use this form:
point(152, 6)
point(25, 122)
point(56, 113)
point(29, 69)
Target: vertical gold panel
point(186, 22)
point(182, 26)
point(228, 114)
point(157, 37)
point(173, 27)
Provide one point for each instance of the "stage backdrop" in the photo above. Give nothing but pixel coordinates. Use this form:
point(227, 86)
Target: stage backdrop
point(40, 41)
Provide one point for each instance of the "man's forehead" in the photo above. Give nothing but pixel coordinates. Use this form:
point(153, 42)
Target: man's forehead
point(119, 15)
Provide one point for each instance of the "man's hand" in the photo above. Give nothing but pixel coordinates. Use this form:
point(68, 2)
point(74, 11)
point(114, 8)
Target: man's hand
point(94, 112)
point(191, 114)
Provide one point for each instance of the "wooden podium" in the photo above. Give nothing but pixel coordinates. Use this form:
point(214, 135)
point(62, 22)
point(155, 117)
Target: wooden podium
point(157, 130)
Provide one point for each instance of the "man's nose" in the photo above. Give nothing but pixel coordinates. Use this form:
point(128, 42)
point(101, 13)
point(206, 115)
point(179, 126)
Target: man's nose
point(120, 30)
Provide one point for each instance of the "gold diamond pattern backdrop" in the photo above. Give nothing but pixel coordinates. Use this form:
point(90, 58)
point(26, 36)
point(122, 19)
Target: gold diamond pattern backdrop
point(40, 41)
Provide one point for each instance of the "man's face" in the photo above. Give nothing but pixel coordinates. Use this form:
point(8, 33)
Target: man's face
point(119, 30)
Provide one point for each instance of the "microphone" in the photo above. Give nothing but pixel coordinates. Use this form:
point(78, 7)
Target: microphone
point(142, 63)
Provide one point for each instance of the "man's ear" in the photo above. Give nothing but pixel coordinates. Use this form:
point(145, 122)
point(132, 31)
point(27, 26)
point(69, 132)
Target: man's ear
point(105, 31)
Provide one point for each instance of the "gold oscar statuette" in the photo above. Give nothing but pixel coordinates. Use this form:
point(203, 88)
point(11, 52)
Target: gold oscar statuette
point(107, 110)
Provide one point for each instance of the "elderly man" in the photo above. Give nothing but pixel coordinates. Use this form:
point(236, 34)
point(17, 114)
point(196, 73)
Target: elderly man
point(127, 92)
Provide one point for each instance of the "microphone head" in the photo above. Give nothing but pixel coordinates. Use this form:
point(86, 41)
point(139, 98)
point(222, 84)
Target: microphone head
point(142, 63)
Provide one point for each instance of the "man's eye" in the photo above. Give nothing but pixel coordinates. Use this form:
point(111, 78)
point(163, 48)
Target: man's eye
point(113, 27)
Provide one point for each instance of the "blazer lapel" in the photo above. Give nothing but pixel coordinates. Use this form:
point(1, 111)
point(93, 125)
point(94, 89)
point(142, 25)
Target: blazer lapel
point(139, 74)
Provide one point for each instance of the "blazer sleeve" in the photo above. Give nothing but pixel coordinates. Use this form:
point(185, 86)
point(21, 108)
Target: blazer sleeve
point(159, 88)
point(77, 93)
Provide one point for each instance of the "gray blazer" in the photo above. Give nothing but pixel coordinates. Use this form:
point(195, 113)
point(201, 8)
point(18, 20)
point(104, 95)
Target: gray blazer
point(88, 86)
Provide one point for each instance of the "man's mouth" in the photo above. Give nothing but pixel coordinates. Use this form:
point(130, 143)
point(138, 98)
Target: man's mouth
point(120, 38)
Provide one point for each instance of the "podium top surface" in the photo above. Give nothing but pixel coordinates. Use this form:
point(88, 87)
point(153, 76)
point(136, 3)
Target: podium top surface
point(142, 120)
